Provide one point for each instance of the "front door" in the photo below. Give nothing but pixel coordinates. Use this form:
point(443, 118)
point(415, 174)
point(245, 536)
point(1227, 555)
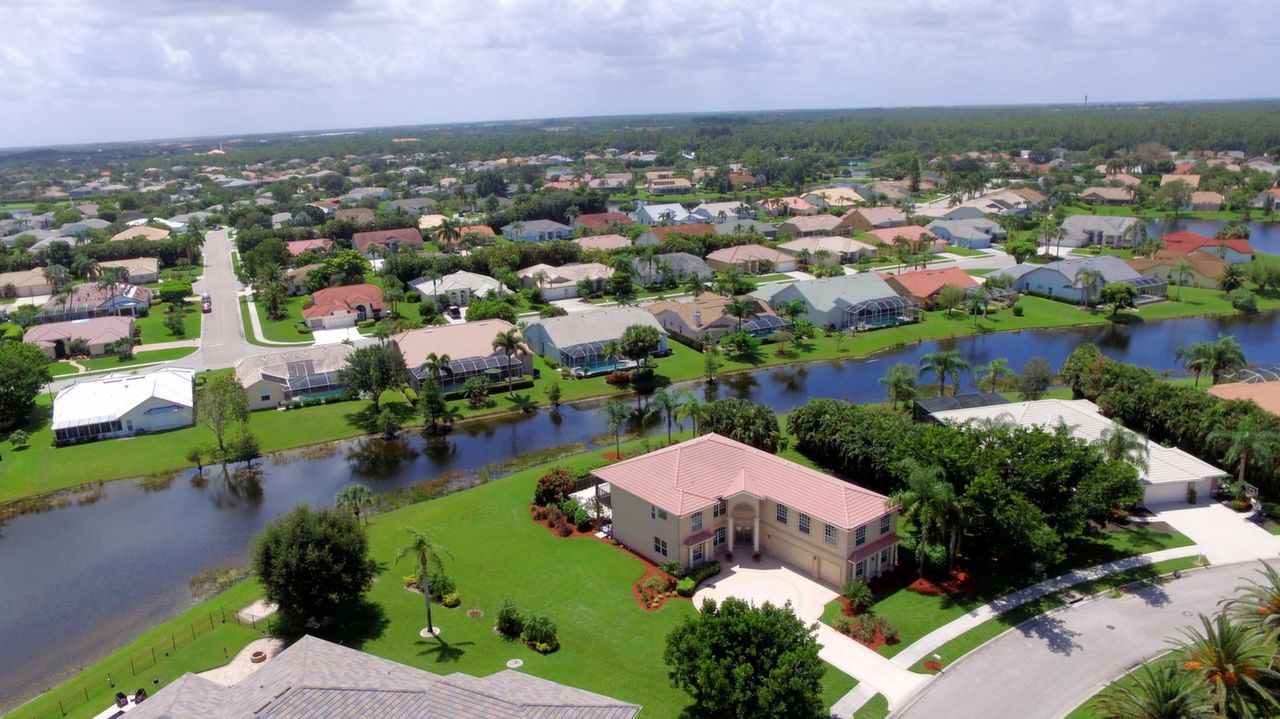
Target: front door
point(743, 535)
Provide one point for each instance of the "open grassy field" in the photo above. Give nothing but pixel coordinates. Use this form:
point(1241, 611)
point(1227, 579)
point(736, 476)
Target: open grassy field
point(609, 644)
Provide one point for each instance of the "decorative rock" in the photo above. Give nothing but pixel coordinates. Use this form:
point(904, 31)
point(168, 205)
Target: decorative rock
point(515, 663)
point(429, 632)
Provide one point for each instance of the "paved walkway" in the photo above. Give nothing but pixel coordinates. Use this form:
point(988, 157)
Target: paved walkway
point(176, 344)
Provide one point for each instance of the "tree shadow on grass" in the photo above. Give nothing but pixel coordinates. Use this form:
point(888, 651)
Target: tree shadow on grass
point(356, 625)
point(443, 651)
point(365, 419)
point(1125, 318)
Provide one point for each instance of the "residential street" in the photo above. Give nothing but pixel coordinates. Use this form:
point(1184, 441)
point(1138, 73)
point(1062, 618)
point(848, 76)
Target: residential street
point(222, 335)
point(1048, 666)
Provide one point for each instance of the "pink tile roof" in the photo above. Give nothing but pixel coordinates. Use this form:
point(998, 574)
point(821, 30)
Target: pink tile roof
point(405, 235)
point(601, 220)
point(694, 475)
point(888, 234)
point(297, 247)
point(331, 300)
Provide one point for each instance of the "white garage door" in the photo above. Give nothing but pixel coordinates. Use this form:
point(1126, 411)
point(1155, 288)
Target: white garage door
point(1173, 492)
point(790, 552)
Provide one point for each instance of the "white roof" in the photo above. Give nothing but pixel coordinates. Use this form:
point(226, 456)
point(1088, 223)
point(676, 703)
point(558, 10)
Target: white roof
point(110, 398)
point(1168, 464)
point(480, 285)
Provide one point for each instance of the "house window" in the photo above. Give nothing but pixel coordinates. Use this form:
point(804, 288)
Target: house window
point(266, 396)
point(884, 524)
point(660, 546)
point(697, 521)
point(829, 532)
point(859, 536)
point(720, 508)
point(804, 523)
point(884, 559)
point(782, 514)
point(719, 537)
point(860, 569)
point(656, 513)
point(696, 556)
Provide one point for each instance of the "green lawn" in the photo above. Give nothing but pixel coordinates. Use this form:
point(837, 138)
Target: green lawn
point(981, 272)
point(1121, 252)
point(776, 277)
point(583, 584)
point(963, 251)
point(877, 707)
point(139, 357)
point(154, 330)
point(286, 329)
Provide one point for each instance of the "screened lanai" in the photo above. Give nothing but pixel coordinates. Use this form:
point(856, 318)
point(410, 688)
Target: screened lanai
point(881, 312)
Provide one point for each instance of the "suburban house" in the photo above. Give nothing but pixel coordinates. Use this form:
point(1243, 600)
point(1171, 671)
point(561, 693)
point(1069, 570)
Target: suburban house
point(1192, 181)
point(474, 234)
point(672, 213)
point(709, 496)
point(723, 211)
point(1264, 394)
point(1057, 280)
point(597, 221)
point(923, 286)
point(1087, 230)
point(959, 212)
point(792, 206)
point(25, 283)
point(1267, 198)
point(354, 215)
point(973, 234)
point(560, 283)
point(537, 231)
point(869, 218)
point(138, 270)
point(1205, 265)
point(829, 197)
point(150, 234)
point(747, 226)
point(1172, 475)
point(861, 301)
point(1204, 201)
point(669, 186)
point(1235, 251)
point(386, 241)
point(458, 288)
point(705, 316)
point(316, 678)
point(673, 267)
point(603, 243)
point(412, 205)
point(99, 333)
point(296, 278)
point(92, 299)
point(809, 225)
point(123, 405)
point(751, 259)
point(1107, 196)
point(281, 378)
point(828, 249)
point(913, 233)
point(658, 234)
point(578, 340)
point(319, 244)
point(470, 350)
point(344, 306)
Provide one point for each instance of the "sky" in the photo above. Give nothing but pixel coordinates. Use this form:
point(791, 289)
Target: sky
point(82, 71)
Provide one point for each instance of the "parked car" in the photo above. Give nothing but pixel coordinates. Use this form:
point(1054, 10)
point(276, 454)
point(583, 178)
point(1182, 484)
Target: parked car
point(206, 306)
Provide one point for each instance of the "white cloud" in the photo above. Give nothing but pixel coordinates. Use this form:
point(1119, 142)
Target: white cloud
point(231, 66)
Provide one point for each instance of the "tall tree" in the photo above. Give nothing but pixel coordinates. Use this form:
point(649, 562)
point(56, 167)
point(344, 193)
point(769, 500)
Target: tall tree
point(1120, 445)
point(925, 502)
point(510, 344)
point(1225, 356)
point(1182, 271)
point(354, 498)
point(1257, 601)
point(900, 382)
point(664, 404)
point(616, 414)
point(1247, 440)
point(1087, 280)
point(943, 364)
point(1159, 690)
point(740, 309)
point(1196, 357)
point(425, 552)
point(638, 342)
point(223, 405)
point(313, 563)
point(373, 370)
point(1236, 662)
point(992, 372)
point(24, 369)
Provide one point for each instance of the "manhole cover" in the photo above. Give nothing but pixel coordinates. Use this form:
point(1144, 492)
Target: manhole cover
point(1112, 627)
point(1186, 613)
point(515, 663)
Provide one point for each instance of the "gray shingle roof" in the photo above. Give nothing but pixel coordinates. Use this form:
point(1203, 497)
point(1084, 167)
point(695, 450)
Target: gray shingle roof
point(829, 292)
point(595, 326)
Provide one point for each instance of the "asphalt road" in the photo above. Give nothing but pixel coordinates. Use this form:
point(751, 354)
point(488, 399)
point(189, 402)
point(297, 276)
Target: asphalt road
point(222, 339)
point(1045, 668)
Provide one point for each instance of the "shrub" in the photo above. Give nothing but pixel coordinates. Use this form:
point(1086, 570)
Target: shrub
point(19, 439)
point(1243, 301)
point(658, 584)
point(685, 587)
point(451, 600)
point(175, 292)
point(553, 487)
point(862, 627)
point(562, 526)
point(618, 378)
point(703, 572)
point(552, 311)
point(887, 630)
point(844, 625)
point(441, 584)
point(642, 377)
point(670, 567)
point(1017, 310)
point(540, 514)
point(509, 622)
point(582, 519)
point(858, 594)
point(540, 633)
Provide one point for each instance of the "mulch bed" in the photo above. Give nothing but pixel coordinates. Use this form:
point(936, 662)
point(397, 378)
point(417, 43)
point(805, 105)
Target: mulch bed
point(613, 456)
point(958, 582)
point(932, 666)
point(573, 530)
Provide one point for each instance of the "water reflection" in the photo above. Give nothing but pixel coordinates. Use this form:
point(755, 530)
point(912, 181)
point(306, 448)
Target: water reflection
point(377, 458)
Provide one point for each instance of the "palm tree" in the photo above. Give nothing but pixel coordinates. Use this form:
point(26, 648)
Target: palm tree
point(1232, 278)
point(690, 408)
point(1257, 603)
point(273, 296)
point(1157, 691)
point(1196, 358)
point(944, 364)
point(695, 285)
point(979, 301)
point(666, 404)
point(1226, 356)
point(1121, 445)
point(900, 381)
point(740, 309)
point(613, 352)
point(924, 502)
point(84, 267)
point(510, 344)
point(1233, 660)
point(1246, 440)
point(437, 366)
point(1087, 280)
point(993, 372)
point(1181, 271)
point(791, 310)
point(617, 414)
point(353, 498)
point(422, 549)
point(55, 275)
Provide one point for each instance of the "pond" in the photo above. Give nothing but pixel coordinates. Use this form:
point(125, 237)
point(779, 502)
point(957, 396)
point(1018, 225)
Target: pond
point(83, 579)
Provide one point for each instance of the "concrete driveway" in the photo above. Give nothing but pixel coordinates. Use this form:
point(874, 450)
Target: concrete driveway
point(776, 583)
point(1046, 667)
point(1224, 536)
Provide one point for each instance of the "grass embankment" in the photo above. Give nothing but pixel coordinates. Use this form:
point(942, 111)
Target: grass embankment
point(499, 553)
point(64, 369)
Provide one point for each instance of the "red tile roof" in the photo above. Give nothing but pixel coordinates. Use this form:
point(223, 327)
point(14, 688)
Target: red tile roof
point(696, 474)
point(601, 220)
point(404, 235)
point(341, 299)
point(297, 247)
point(925, 283)
point(1185, 241)
point(888, 234)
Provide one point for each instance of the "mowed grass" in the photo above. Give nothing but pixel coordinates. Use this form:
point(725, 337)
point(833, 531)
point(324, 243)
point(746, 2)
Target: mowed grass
point(153, 327)
point(609, 644)
point(140, 356)
point(285, 329)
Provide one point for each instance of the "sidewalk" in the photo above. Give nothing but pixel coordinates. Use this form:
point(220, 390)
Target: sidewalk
point(257, 328)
